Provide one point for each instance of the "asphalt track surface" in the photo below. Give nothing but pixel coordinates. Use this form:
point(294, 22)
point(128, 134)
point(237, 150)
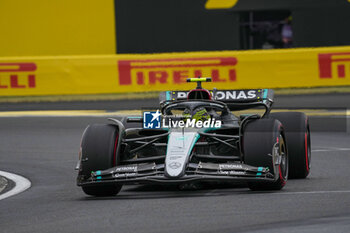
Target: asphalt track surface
point(45, 150)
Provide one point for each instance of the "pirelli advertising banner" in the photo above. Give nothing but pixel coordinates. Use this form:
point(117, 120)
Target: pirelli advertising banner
point(61, 75)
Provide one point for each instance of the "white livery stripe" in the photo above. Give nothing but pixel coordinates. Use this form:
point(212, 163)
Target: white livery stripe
point(178, 151)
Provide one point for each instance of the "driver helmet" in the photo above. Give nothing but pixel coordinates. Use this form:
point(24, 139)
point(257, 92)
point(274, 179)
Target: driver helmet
point(199, 114)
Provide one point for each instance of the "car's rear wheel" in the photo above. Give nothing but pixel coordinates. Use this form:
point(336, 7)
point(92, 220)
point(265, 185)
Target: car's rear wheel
point(297, 130)
point(99, 152)
point(264, 146)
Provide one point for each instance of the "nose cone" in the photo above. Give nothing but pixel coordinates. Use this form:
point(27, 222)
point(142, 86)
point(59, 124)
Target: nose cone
point(180, 145)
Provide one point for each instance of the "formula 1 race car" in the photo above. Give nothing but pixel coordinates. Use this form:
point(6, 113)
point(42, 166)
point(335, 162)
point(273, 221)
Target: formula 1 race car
point(195, 136)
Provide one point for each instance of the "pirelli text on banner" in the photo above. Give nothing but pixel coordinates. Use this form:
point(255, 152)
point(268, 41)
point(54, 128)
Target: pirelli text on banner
point(17, 75)
point(168, 71)
point(229, 70)
point(334, 64)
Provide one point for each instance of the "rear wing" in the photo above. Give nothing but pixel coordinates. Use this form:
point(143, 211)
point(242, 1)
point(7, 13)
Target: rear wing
point(226, 96)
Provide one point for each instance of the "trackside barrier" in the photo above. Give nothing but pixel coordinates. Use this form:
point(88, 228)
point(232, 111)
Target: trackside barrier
point(61, 75)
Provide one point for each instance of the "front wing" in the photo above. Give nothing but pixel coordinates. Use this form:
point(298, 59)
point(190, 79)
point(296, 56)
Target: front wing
point(154, 173)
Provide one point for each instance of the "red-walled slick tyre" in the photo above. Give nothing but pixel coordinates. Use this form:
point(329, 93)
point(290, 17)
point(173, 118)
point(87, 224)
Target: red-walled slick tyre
point(99, 145)
point(297, 130)
point(263, 143)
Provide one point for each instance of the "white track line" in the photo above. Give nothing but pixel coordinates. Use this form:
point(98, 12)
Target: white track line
point(21, 184)
point(312, 192)
point(331, 149)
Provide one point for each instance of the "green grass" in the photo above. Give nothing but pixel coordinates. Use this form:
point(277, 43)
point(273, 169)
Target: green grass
point(149, 95)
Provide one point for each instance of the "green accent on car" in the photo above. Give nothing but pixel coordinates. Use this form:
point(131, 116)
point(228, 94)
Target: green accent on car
point(205, 130)
point(265, 93)
point(168, 95)
point(182, 138)
point(194, 142)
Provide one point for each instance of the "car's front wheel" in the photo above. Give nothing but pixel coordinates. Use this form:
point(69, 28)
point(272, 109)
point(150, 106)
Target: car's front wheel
point(99, 152)
point(264, 146)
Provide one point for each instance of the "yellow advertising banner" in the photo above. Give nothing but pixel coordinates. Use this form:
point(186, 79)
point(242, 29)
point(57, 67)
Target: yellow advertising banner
point(57, 27)
point(61, 75)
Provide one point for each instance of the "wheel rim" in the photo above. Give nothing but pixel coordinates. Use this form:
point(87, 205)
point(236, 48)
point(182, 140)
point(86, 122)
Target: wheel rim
point(283, 166)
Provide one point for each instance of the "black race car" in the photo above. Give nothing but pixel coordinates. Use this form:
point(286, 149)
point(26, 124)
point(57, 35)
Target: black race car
point(196, 137)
